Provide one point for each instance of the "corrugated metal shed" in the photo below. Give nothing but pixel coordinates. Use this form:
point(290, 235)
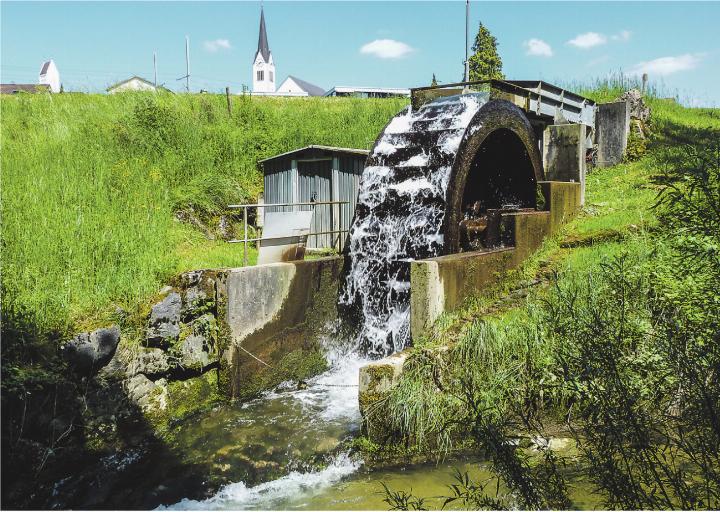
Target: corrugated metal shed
point(317, 174)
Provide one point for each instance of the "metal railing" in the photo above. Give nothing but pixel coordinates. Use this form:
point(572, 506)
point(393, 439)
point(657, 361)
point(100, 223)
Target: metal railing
point(245, 238)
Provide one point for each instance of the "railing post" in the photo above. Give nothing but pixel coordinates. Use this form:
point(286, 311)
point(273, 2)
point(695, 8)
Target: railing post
point(245, 247)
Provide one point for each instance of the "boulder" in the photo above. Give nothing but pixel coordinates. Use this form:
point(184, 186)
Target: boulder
point(164, 323)
point(149, 361)
point(196, 349)
point(199, 292)
point(88, 352)
point(139, 389)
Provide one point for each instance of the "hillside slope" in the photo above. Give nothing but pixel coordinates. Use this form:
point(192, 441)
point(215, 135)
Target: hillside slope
point(92, 185)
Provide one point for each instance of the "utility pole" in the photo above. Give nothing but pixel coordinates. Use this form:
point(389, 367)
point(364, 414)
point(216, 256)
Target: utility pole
point(155, 67)
point(187, 63)
point(467, 35)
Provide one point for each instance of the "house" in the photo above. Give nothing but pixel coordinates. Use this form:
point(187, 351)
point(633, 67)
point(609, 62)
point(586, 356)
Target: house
point(30, 88)
point(317, 174)
point(369, 92)
point(49, 75)
point(295, 86)
point(134, 84)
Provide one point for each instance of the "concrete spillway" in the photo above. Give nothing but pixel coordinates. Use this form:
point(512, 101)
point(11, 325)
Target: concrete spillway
point(425, 169)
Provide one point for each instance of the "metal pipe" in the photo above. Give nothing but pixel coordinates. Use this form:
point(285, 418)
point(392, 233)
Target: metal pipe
point(467, 41)
point(263, 205)
point(246, 238)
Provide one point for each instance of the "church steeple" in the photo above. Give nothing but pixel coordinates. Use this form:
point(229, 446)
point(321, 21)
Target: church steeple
point(263, 46)
point(263, 65)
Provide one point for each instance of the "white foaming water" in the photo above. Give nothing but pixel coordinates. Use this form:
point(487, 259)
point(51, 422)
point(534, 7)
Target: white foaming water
point(329, 399)
point(272, 495)
point(401, 206)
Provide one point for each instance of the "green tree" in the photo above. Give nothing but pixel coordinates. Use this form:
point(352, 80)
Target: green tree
point(485, 61)
point(434, 81)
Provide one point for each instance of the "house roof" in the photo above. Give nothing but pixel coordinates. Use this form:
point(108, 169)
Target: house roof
point(263, 46)
point(330, 149)
point(15, 88)
point(45, 67)
point(135, 77)
point(312, 90)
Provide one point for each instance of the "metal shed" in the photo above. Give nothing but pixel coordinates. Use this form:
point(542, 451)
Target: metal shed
point(317, 174)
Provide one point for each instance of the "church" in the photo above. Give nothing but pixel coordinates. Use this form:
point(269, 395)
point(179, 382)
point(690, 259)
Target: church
point(263, 72)
point(264, 75)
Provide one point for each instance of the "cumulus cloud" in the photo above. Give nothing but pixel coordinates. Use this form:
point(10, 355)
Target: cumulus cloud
point(588, 40)
point(217, 44)
point(668, 65)
point(538, 48)
point(387, 49)
point(623, 35)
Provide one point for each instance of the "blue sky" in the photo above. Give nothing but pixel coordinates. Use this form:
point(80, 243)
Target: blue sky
point(95, 44)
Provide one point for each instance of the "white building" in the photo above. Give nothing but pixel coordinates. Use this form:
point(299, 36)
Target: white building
point(368, 92)
point(134, 83)
point(296, 87)
point(49, 75)
point(263, 65)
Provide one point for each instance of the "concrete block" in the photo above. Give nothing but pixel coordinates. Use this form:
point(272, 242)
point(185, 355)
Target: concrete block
point(564, 154)
point(612, 127)
point(442, 284)
point(562, 200)
point(270, 312)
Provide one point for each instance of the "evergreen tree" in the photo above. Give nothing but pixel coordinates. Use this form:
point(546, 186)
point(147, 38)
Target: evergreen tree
point(434, 81)
point(485, 61)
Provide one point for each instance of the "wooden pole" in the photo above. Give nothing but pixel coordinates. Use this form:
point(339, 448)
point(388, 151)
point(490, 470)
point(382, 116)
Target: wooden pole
point(229, 105)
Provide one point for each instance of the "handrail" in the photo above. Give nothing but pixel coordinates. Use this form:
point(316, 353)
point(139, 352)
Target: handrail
point(245, 207)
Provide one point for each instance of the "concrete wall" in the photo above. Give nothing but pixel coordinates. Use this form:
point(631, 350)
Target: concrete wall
point(442, 284)
point(275, 313)
point(612, 126)
point(564, 154)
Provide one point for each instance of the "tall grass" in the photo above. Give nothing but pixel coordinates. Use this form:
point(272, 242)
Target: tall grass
point(91, 184)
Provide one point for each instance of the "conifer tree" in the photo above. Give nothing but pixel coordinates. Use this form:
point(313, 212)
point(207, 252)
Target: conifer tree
point(434, 81)
point(485, 61)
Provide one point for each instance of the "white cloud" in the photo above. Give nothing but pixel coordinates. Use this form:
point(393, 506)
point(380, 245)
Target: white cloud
point(387, 49)
point(668, 65)
point(588, 40)
point(537, 47)
point(623, 35)
point(217, 44)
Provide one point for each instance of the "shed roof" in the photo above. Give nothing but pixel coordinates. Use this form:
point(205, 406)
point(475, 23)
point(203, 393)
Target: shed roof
point(45, 67)
point(329, 149)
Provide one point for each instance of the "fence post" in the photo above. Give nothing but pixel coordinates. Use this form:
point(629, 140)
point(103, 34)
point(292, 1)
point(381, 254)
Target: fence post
point(245, 248)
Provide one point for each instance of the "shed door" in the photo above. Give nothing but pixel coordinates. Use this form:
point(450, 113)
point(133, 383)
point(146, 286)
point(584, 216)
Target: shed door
point(314, 182)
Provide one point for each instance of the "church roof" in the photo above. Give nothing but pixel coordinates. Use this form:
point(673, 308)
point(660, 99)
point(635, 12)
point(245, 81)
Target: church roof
point(312, 90)
point(263, 47)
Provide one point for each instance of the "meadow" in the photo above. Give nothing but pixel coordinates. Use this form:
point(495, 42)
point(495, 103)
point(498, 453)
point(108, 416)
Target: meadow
point(93, 184)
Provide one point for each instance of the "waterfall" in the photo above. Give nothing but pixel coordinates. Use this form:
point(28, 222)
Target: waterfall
point(399, 215)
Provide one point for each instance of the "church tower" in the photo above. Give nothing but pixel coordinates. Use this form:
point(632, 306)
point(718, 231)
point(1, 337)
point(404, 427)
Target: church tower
point(263, 65)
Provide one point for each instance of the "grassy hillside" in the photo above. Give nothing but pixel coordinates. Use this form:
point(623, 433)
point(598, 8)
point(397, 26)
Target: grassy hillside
point(91, 185)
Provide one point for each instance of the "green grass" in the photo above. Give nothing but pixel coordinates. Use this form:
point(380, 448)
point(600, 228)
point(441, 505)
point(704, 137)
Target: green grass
point(91, 185)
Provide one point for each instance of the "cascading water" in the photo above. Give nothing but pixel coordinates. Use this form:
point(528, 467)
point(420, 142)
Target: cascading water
point(399, 214)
